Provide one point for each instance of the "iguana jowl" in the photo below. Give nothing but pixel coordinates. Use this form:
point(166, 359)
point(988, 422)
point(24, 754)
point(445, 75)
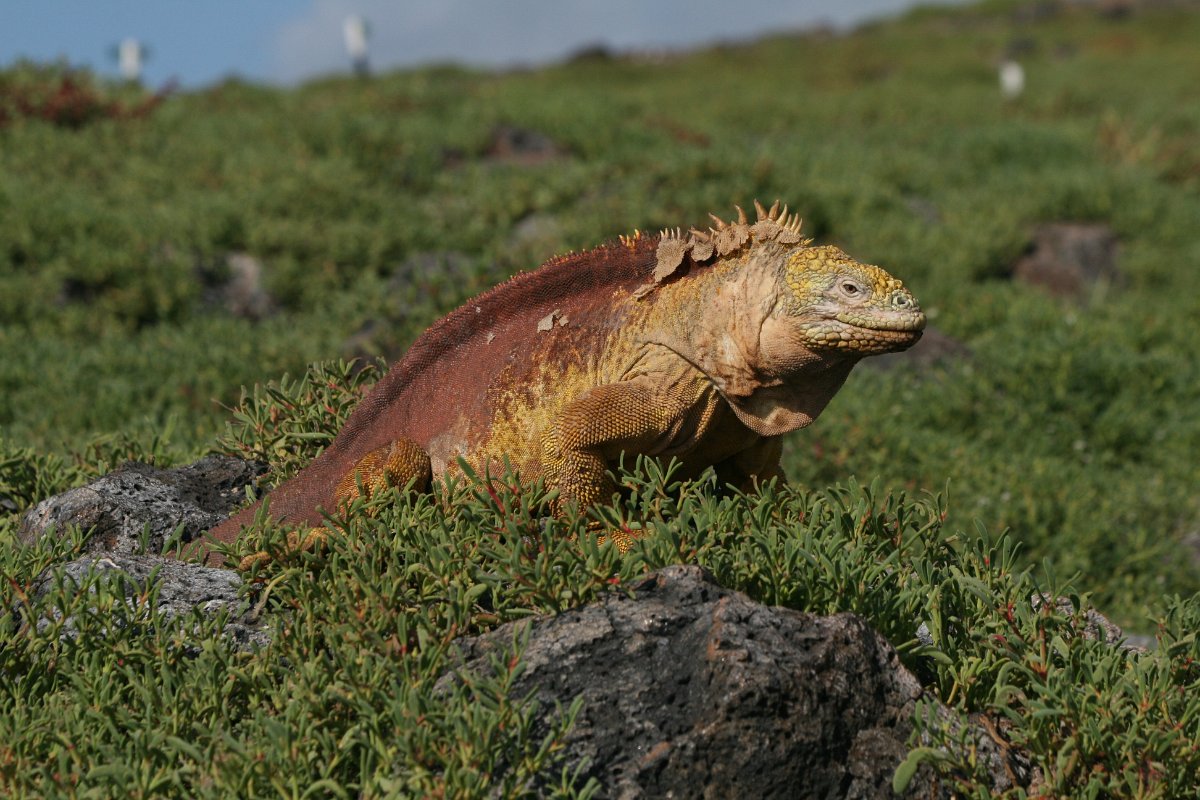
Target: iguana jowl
point(706, 346)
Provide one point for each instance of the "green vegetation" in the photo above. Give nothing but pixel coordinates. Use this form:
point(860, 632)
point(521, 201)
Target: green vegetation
point(1072, 426)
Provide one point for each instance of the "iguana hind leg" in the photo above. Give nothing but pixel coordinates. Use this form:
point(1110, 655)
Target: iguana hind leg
point(402, 462)
point(394, 464)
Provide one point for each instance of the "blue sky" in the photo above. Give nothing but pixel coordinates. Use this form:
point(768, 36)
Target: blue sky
point(286, 41)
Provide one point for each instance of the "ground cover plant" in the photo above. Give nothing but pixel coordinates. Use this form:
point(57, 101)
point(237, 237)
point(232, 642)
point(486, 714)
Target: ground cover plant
point(1060, 451)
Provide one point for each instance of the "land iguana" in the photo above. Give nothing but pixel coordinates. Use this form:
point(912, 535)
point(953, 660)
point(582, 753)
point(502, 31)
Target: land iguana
point(707, 346)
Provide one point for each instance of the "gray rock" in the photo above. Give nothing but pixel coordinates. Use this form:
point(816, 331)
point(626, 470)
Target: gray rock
point(1070, 259)
point(236, 284)
point(1096, 626)
point(693, 690)
point(244, 294)
point(182, 587)
point(137, 507)
point(537, 232)
point(533, 236)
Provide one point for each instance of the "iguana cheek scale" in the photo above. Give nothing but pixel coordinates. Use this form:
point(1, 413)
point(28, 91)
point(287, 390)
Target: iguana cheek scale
point(706, 346)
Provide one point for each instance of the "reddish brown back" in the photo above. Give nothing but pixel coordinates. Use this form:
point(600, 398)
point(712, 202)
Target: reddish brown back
point(452, 366)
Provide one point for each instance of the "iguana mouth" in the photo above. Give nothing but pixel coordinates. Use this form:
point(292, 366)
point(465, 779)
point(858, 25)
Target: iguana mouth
point(910, 322)
point(867, 333)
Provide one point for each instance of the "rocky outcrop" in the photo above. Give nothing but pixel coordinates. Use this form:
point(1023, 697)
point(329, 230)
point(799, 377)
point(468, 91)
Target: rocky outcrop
point(1068, 259)
point(688, 689)
point(693, 690)
point(524, 146)
point(182, 588)
point(237, 285)
point(135, 508)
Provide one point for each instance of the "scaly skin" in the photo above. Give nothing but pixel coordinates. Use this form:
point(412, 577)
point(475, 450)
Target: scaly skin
point(705, 346)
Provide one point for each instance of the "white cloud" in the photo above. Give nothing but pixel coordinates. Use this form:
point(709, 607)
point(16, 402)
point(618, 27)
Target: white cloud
point(494, 33)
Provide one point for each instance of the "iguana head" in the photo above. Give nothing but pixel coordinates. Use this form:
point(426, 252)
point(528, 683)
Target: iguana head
point(784, 321)
point(835, 303)
point(824, 302)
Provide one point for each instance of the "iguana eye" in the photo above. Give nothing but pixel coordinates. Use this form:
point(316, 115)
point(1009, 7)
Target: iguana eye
point(850, 288)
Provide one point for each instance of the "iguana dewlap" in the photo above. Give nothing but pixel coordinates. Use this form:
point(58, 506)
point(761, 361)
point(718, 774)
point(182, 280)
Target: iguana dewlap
point(704, 346)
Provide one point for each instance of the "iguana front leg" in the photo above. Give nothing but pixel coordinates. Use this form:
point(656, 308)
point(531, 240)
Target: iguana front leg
point(605, 421)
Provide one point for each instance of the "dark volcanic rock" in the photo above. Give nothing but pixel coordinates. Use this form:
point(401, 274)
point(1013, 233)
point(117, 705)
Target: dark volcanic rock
point(182, 587)
point(512, 144)
point(688, 689)
point(692, 690)
point(121, 504)
point(1068, 258)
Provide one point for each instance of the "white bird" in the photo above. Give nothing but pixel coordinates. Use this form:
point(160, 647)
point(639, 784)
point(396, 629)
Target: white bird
point(1012, 79)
